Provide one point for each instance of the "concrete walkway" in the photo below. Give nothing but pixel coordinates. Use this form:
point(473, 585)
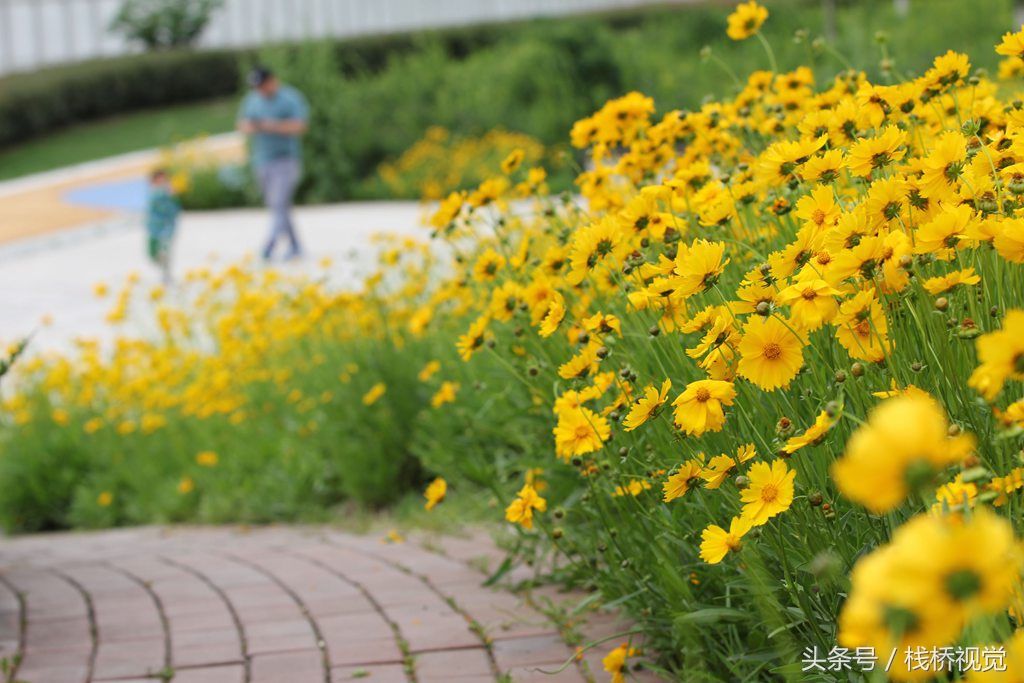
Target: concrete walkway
point(53, 276)
point(282, 605)
point(58, 239)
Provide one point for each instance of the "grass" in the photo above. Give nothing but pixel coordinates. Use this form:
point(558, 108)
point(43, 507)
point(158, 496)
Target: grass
point(118, 135)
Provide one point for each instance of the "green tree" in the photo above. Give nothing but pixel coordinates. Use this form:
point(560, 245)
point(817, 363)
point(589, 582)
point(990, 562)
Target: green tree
point(162, 24)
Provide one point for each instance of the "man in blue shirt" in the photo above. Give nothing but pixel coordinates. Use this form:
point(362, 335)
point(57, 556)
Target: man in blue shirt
point(275, 117)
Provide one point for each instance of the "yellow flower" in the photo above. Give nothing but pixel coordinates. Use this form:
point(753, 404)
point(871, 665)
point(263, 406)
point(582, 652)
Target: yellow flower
point(1009, 240)
point(429, 370)
point(716, 542)
point(615, 662)
point(207, 459)
point(1012, 44)
point(445, 394)
point(105, 499)
point(374, 394)
point(936, 574)
point(698, 266)
point(487, 266)
point(870, 154)
point(580, 365)
point(941, 171)
point(904, 443)
point(769, 493)
point(633, 488)
point(941, 283)
point(435, 493)
point(1002, 356)
point(862, 328)
point(186, 485)
point(771, 354)
point(647, 406)
point(954, 497)
point(813, 435)
point(1011, 67)
point(579, 432)
point(602, 324)
point(600, 243)
point(532, 477)
point(942, 234)
point(512, 161)
point(520, 510)
point(746, 20)
point(719, 467)
point(470, 342)
point(680, 481)
point(811, 300)
point(553, 317)
point(1003, 486)
point(393, 537)
point(699, 408)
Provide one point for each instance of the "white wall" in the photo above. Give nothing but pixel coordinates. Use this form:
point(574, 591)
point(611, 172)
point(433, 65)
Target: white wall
point(36, 33)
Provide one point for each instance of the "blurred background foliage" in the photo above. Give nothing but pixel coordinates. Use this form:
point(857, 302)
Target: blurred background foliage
point(374, 98)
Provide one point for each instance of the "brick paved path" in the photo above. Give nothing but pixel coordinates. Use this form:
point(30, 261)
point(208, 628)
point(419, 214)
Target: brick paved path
point(278, 605)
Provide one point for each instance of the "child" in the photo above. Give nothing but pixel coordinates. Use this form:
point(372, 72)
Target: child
point(162, 209)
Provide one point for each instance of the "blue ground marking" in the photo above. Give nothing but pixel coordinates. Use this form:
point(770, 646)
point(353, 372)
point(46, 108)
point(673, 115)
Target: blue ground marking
point(121, 195)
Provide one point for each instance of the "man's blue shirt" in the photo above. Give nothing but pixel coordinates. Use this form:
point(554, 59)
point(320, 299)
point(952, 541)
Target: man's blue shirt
point(287, 104)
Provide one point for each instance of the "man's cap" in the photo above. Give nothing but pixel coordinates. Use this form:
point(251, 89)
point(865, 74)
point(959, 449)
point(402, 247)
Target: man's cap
point(259, 75)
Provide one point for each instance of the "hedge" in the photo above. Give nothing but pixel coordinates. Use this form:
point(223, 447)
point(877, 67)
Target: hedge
point(33, 104)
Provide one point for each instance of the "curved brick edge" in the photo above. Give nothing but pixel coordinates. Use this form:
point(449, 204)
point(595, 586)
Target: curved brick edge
point(276, 605)
point(584, 626)
point(235, 619)
point(476, 627)
point(12, 625)
point(91, 615)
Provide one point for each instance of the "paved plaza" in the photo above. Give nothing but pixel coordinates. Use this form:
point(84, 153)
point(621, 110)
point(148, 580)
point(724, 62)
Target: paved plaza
point(281, 605)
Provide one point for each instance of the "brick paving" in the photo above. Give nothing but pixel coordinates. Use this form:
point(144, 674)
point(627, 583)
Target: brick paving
point(282, 605)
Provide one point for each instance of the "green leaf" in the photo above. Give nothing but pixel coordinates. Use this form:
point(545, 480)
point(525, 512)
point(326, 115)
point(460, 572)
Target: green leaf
point(710, 615)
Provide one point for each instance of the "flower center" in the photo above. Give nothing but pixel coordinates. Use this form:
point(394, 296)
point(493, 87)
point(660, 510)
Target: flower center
point(900, 620)
point(732, 542)
point(963, 584)
point(703, 395)
point(582, 431)
point(772, 351)
point(769, 493)
point(1018, 363)
point(809, 294)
